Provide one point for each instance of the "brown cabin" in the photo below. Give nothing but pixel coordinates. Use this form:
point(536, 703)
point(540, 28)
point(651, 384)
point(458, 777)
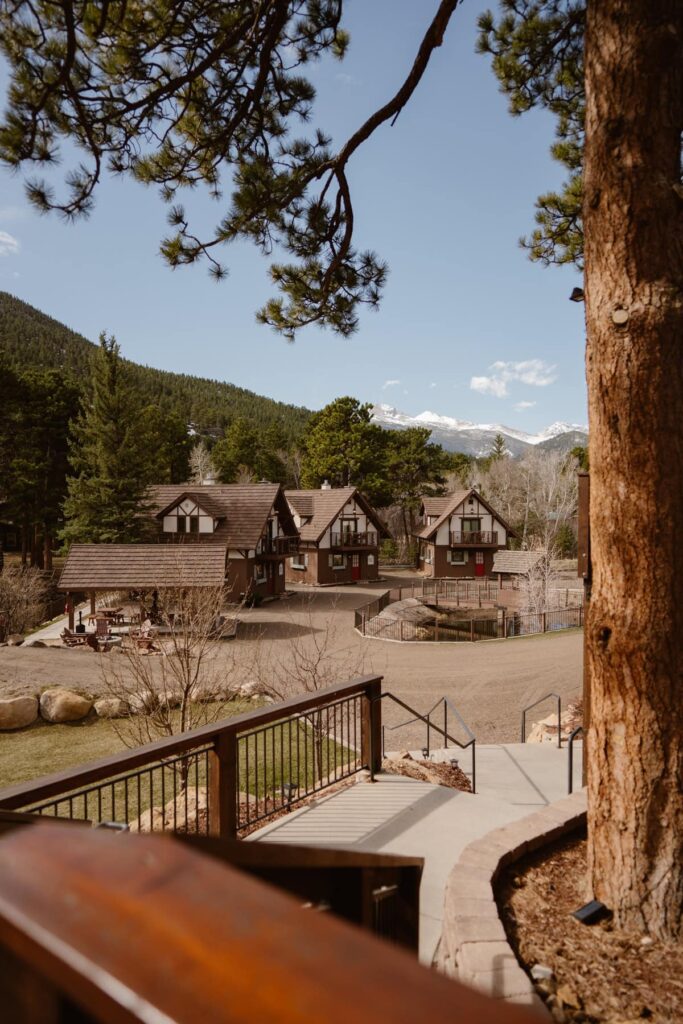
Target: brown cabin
point(458, 535)
point(251, 521)
point(339, 534)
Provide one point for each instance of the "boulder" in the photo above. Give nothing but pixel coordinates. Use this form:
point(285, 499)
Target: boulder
point(188, 811)
point(251, 689)
point(61, 705)
point(15, 640)
point(34, 643)
point(111, 707)
point(18, 712)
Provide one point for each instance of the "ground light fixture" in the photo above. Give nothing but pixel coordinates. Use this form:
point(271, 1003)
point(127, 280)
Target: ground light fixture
point(289, 790)
point(591, 913)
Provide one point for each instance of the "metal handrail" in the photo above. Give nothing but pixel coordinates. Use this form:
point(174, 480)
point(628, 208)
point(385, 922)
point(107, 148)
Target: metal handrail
point(426, 718)
point(530, 707)
point(570, 758)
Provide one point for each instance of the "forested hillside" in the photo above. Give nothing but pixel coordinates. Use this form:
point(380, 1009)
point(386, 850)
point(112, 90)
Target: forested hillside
point(33, 340)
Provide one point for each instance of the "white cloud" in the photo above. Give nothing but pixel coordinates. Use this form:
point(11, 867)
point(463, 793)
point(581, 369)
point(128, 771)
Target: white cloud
point(9, 245)
point(433, 384)
point(489, 386)
point(390, 384)
point(524, 405)
point(536, 372)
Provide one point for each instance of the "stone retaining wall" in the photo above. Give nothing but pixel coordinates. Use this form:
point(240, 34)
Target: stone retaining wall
point(474, 946)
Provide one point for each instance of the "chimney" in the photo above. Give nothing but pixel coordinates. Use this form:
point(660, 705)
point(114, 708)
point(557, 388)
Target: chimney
point(209, 479)
point(326, 486)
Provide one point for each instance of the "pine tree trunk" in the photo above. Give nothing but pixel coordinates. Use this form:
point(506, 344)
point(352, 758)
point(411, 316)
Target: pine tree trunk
point(633, 220)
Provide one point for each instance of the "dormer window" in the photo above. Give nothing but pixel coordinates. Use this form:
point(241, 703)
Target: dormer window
point(187, 517)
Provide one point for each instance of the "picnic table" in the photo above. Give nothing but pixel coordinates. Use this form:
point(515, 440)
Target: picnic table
point(114, 615)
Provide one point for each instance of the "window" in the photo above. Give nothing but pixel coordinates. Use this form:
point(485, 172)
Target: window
point(371, 559)
point(194, 524)
point(458, 557)
point(299, 561)
point(260, 573)
point(338, 561)
point(471, 525)
point(479, 557)
point(182, 524)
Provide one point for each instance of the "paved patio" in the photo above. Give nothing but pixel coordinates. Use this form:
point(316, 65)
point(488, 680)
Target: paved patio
point(403, 816)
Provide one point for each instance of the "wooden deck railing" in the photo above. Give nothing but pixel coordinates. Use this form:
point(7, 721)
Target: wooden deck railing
point(349, 539)
point(474, 537)
point(226, 778)
point(99, 928)
point(276, 547)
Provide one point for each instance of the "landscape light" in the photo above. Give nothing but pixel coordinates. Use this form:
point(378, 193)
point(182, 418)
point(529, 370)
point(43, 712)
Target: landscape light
point(289, 789)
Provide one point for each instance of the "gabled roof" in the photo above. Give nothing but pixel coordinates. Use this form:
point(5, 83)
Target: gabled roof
point(204, 500)
point(323, 506)
point(242, 509)
point(452, 501)
point(515, 561)
point(435, 505)
point(143, 566)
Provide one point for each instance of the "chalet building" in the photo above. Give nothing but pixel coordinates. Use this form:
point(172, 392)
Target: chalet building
point(458, 535)
point(252, 523)
point(339, 537)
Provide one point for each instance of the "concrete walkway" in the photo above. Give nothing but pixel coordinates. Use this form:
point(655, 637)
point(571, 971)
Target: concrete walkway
point(403, 816)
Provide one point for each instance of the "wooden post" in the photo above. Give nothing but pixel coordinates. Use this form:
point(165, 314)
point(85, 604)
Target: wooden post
point(93, 602)
point(223, 786)
point(401, 627)
point(70, 610)
point(472, 630)
point(505, 625)
point(436, 631)
point(544, 621)
point(371, 727)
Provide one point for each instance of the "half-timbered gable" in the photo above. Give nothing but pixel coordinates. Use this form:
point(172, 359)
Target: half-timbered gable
point(339, 534)
point(458, 534)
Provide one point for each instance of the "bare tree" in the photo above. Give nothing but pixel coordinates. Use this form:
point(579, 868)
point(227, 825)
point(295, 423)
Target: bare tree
point(176, 682)
point(23, 595)
point(314, 658)
point(539, 584)
point(201, 465)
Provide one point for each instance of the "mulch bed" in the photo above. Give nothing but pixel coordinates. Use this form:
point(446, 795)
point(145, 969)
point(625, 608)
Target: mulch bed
point(600, 974)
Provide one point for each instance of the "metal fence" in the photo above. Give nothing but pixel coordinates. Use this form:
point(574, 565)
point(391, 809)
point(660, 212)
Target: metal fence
point(221, 779)
point(506, 625)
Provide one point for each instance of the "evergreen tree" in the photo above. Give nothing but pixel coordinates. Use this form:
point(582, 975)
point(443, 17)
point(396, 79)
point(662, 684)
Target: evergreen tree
point(497, 449)
point(415, 466)
point(110, 455)
point(237, 452)
point(344, 446)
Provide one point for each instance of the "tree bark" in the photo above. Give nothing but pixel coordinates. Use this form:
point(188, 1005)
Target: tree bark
point(633, 221)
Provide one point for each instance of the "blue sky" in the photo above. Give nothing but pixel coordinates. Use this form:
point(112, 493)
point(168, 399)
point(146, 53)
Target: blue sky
point(468, 326)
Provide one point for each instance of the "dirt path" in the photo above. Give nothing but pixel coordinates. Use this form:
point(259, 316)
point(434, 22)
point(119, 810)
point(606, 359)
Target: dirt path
point(489, 681)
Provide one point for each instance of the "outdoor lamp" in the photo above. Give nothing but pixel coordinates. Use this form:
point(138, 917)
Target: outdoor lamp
point(425, 752)
point(454, 762)
point(576, 295)
point(289, 789)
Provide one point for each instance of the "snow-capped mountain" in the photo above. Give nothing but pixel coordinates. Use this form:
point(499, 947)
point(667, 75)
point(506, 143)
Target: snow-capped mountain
point(476, 438)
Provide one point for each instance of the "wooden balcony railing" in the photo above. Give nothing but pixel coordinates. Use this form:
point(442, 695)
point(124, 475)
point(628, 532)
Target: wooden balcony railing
point(276, 547)
point(101, 928)
point(226, 778)
point(475, 537)
point(350, 539)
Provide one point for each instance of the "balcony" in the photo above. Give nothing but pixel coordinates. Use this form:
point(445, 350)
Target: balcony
point(351, 539)
point(474, 538)
point(277, 547)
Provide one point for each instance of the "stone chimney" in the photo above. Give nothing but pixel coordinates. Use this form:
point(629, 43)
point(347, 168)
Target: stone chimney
point(326, 486)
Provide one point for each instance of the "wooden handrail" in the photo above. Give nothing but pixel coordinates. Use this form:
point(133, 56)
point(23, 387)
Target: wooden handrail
point(24, 793)
point(136, 929)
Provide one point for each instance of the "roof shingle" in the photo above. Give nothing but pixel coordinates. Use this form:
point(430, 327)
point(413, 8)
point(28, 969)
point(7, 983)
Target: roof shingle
point(143, 566)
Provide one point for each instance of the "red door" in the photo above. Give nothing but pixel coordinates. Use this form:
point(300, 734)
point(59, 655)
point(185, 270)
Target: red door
point(479, 563)
point(355, 567)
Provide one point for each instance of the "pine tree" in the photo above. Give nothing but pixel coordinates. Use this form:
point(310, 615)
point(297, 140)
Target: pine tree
point(346, 448)
point(110, 456)
point(497, 449)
